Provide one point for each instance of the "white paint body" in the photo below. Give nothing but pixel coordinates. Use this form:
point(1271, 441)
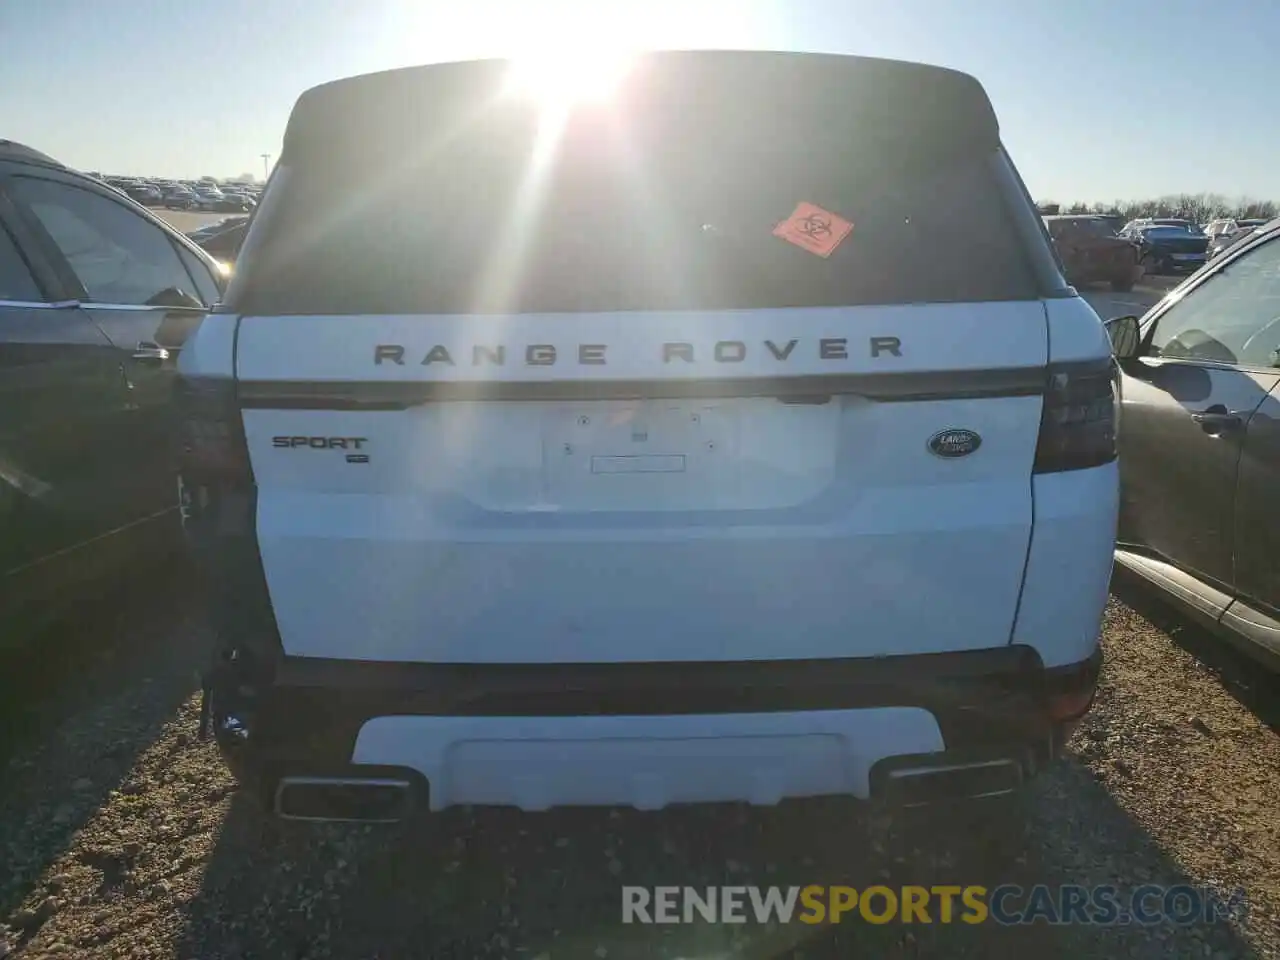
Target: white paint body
point(614, 531)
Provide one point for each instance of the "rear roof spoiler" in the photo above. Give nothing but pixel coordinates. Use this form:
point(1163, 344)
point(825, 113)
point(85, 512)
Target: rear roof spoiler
point(412, 104)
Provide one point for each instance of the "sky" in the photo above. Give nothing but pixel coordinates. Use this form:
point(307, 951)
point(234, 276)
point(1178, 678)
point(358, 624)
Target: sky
point(1098, 100)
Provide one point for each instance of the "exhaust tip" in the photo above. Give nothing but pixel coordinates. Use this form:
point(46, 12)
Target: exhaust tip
point(343, 799)
point(929, 783)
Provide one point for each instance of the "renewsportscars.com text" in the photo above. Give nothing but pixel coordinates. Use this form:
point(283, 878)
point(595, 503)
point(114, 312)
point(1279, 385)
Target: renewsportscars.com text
point(972, 904)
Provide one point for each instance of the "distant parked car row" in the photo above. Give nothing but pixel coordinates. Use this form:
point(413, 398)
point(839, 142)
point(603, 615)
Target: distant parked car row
point(204, 194)
point(1095, 248)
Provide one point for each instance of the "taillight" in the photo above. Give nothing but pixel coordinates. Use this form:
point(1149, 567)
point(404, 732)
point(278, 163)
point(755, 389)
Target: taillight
point(1078, 421)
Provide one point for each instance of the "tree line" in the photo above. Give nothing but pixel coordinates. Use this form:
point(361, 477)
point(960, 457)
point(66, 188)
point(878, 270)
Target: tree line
point(1197, 207)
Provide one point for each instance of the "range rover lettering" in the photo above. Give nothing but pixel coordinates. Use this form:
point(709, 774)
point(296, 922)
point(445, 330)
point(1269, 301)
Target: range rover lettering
point(546, 354)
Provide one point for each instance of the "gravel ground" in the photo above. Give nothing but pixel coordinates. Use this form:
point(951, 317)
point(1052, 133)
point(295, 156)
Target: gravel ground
point(121, 835)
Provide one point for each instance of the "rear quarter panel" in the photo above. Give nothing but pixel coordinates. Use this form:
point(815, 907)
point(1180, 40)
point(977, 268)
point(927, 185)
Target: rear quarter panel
point(1069, 561)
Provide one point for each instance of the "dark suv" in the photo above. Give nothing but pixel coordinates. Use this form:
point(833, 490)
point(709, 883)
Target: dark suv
point(96, 297)
point(1091, 252)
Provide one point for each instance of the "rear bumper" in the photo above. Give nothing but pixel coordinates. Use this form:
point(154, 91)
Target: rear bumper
point(649, 735)
point(1179, 260)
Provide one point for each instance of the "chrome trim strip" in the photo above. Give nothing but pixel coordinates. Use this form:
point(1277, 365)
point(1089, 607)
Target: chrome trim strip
point(400, 395)
point(41, 304)
point(135, 307)
point(926, 770)
point(95, 305)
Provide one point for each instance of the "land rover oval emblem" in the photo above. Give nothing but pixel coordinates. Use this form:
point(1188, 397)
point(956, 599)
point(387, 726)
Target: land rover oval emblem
point(953, 443)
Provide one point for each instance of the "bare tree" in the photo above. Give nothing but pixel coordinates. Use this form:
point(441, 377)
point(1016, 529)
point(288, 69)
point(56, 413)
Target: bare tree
point(1257, 209)
point(1196, 207)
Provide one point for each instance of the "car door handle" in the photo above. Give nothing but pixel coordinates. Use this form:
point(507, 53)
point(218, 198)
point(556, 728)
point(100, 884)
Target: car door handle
point(148, 352)
point(1217, 419)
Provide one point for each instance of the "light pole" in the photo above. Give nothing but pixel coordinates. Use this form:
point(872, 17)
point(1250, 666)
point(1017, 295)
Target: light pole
point(266, 157)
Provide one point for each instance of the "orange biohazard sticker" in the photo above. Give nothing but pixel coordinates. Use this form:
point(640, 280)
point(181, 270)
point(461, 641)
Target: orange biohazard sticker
point(814, 229)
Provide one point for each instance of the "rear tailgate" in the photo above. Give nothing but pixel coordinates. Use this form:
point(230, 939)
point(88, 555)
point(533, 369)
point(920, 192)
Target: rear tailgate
point(661, 405)
point(398, 520)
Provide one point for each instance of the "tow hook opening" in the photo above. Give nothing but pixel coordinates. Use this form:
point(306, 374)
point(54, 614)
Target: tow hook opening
point(344, 799)
point(229, 693)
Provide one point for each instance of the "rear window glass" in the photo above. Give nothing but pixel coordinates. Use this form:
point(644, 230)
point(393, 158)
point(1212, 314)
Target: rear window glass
point(1167, 233)
point(1098, 228)
point(661, 210)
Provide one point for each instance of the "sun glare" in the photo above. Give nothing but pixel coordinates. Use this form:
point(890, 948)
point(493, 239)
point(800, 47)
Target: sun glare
point(563, 78)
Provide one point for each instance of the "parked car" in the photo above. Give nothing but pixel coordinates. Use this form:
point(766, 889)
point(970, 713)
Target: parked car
point(201, 234)
point(205, 200)
point(1165, 248)
point(1188, 225)
point(97, 297)
point(180, 198)
point(1223, 226)
point(626, 525)
point(1091, 251)
point(1114, 220)
point(1200, 444)
point(145, 194)
point(233, 201)
point(1223, 234)
point(223, 244)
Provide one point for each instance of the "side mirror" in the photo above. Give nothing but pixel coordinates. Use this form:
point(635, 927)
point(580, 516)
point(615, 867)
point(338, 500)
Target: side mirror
point(175, 328)
point(1126, 336)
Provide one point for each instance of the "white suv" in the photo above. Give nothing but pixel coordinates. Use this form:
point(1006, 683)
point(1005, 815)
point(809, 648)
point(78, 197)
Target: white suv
point(732, 438)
